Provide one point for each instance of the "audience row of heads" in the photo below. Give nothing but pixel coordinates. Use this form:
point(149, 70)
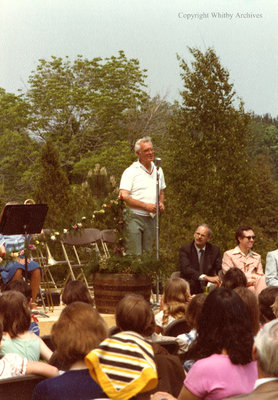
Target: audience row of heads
point(225, 319)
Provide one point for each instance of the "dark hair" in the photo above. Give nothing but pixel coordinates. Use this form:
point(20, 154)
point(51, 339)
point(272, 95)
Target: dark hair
point(78, 330)
point(14, 313)
point(240, 230)
point(76, 291)
point(251, 301)
point(224, 323)
point(194, 309)
point(20, 286)
point(134, 313)
point(233, 278)
point(266, 300)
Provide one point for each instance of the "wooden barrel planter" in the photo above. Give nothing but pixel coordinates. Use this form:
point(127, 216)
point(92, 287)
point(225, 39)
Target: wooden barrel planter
point(109, 289)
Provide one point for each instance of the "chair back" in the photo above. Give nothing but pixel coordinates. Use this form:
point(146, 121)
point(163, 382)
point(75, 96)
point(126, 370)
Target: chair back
point(109, 236)
point(176, 328)
point(82, 238)
point(170, 345)
point(19, 387)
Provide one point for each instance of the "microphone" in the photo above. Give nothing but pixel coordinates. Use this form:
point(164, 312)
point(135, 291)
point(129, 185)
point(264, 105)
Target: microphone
point(157, 162)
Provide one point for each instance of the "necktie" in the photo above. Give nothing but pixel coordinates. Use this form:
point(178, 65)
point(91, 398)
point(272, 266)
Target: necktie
point(202, 255)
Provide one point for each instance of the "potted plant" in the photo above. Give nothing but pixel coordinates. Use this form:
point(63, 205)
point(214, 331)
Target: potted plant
point(116, 276)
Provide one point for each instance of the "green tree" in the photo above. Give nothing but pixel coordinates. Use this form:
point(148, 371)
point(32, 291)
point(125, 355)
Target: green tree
point(19, 149)
point(14, 112)
point(208, 167)
point(53, 189)
point(80, 105)
point(265, 141)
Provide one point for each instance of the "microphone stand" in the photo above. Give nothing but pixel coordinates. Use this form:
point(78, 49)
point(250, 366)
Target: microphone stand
point(157, 163)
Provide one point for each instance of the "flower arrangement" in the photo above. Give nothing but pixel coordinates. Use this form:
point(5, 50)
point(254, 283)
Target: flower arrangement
point(145, 264)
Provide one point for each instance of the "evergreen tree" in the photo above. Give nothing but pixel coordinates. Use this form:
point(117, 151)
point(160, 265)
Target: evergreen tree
point(208, 165)
point(53, 188)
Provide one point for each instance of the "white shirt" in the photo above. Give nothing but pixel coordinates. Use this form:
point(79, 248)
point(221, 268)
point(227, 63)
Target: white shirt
point(264, 380)
point(159, 317)
point(141, 184)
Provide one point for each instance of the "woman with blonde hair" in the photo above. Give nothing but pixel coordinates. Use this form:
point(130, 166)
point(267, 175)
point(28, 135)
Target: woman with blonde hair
point(175, 298)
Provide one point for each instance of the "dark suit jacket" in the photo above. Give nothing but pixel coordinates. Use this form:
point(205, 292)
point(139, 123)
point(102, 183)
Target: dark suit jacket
point(266, 391)
point(189, 264)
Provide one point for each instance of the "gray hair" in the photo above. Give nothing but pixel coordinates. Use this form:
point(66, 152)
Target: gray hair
point(266, 343)
point(207, 227)
point(145, 139)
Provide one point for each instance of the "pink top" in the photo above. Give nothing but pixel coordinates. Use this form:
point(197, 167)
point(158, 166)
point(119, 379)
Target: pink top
point(215, 377)
point(248, 264)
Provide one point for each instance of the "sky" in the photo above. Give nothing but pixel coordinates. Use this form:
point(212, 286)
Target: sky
point(243, 33)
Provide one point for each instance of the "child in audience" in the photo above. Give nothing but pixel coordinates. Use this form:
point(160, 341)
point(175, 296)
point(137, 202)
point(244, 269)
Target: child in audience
point(266, 299)
point(134, 313)
point(78, 330)
point(15, 317)
point(76, 291)
point(23, 287)
point(175, 298)
point(14, 365)
point(234, 278)
point(193, 312)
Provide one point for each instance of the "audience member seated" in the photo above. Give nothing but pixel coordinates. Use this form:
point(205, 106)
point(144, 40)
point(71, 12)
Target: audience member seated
point(175, 298)
point(266, 300)
point(13, 365)
point(13, 270)
point(222, 350)
point(193, 312)
point(23, 287)
point(76, 291)
point(244, 258)
point(265, 353)
point(234, 278)
point(78, 330)
point(134, 313)
point(251, 301)
point(123, 365)
point(16, 318)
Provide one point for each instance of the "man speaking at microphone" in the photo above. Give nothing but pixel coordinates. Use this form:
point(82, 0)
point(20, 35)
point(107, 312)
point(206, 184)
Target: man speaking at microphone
point(138, 189)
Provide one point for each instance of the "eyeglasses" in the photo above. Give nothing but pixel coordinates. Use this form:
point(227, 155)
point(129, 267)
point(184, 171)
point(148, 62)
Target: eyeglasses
point(250, 237)
point(200, 234)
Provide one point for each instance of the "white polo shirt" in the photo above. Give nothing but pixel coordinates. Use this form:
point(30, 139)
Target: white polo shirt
point(141, 184)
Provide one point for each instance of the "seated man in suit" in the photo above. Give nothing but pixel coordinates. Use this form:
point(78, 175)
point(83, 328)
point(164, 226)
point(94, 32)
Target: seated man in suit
point(265, 352)
point(271, 268)
point(200, 260)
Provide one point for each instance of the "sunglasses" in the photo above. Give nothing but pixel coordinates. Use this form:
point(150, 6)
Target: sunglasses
point(250, 237)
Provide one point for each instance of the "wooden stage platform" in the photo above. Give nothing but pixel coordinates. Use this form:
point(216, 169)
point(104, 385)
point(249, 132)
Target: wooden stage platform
point(46, 322)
